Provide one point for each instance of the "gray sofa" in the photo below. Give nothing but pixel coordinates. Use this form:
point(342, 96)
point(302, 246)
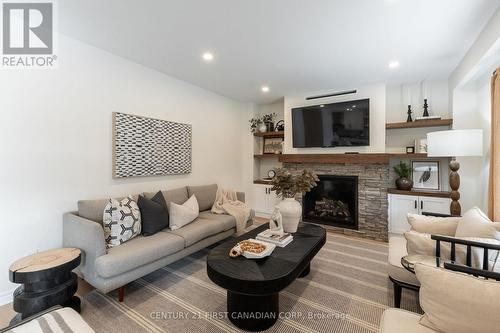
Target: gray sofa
point(110, 269)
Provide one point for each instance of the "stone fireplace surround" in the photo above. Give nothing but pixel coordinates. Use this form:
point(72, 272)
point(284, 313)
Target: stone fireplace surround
point(373, 181)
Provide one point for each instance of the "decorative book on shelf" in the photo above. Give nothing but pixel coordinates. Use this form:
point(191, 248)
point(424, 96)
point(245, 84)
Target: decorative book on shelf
point(273, 238)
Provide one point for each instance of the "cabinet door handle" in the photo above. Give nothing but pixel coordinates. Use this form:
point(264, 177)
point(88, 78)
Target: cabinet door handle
point(421, 204)
point(266, 190)
point(416, 204)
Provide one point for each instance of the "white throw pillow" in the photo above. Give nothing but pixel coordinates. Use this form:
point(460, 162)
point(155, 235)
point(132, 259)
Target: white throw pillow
point(474, 223)
point(121, 221)
point(180, 215)
point(458, 303)
point(446, 226)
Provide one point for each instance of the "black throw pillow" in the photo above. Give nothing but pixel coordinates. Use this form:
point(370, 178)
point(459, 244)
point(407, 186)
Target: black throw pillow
point(154, 214)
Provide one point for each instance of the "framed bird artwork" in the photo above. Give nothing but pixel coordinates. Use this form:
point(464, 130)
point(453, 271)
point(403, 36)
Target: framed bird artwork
point(426, 175)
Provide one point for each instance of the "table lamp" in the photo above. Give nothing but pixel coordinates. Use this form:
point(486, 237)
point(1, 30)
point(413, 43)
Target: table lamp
point(455, 143)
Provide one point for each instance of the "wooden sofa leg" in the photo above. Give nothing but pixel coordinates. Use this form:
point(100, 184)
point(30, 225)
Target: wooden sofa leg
point(121, 294)
point(397, 295)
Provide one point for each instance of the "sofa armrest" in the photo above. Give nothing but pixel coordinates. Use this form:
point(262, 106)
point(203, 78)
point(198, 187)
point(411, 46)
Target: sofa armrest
point(240, 196)
point(86, 235)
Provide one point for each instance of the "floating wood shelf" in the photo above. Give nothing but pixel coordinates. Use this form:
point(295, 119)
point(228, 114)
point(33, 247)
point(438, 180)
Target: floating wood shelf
point(405, 155)
point(267, 155)
point(420, 123)
point(262, 182)
point(279, 134)
point(436, 194)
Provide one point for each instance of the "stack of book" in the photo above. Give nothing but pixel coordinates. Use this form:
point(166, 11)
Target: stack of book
point(271, 237)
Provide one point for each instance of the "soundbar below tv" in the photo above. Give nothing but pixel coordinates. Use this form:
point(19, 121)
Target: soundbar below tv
point(344, 124)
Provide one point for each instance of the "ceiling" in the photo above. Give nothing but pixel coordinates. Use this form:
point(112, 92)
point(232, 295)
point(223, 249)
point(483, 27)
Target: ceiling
point(291, 46)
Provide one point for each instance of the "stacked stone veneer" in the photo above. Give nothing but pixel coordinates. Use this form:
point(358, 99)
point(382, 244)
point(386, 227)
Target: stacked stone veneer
point(373, 181)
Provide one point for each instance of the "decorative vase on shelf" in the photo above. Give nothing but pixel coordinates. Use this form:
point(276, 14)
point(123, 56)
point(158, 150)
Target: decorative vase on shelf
point(263, 128)
point(404, 184)
point(270, 126)
point(291, 211)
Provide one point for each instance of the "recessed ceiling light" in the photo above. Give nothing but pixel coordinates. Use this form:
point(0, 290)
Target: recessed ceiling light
point(321, 106)
point(265, 89)
point(207, 56)
point(354, 106)
point(393, 64)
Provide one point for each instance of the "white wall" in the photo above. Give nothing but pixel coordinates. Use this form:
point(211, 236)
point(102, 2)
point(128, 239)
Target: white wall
point(472, 109)
point(471, 104)
point(276, 107)
point(397, 99)
point(376, 93)
point(56, 140)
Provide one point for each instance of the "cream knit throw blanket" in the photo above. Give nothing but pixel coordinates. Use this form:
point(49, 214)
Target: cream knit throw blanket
point(226, 202)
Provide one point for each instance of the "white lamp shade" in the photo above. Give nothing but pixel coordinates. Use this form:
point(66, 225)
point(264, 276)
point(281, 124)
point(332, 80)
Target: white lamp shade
point(455, 143)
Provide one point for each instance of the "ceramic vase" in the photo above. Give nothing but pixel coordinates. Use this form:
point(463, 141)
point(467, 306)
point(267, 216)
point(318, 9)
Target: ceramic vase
point(263, 128)
point(291, 211)
point(404, 184)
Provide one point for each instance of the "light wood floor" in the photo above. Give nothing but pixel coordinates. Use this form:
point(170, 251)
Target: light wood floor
point(7, 313)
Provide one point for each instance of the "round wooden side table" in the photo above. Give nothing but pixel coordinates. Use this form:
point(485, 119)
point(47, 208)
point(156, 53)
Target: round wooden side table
point(46, 280)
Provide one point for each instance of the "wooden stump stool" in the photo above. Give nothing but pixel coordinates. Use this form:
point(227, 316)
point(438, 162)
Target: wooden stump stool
point(47, 280)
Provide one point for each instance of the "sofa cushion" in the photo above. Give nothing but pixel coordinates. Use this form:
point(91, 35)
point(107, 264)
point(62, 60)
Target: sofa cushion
point(92, 209)
point(399, 321)
point(397, 250)
point(456, 302)
point(154, 214)
point(204, 194)
point(177, 195)
point(181, 215)
point(121, 221)
point(446, 226)
point(198, 229)
point(475, 223)
point(137, 252)
point(227, 220)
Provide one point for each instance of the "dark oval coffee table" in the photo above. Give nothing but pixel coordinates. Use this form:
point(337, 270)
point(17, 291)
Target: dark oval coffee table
point(253, 285)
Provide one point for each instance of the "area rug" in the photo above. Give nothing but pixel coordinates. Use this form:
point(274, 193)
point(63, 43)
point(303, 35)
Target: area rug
point(346, 292)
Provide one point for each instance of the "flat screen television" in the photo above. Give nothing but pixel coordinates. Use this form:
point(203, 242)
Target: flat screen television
point(344, 124)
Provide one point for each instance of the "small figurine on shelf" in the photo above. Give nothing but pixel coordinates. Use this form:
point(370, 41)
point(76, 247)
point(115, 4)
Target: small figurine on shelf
point(409, 119)
point(276, 223)
point(426, 109)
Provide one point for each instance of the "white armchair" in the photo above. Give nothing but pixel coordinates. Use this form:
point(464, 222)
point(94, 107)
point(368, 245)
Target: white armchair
point(453, 302)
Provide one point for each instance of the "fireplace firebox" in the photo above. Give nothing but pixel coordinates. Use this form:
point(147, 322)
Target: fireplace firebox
point(333, 202)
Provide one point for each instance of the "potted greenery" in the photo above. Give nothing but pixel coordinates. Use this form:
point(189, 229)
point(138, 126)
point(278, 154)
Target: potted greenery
point(287, 186)
point(257, 125)
point(403, 170)
point(268, 119)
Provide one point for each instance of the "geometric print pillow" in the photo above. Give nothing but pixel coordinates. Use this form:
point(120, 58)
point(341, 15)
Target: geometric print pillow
point(121, 221)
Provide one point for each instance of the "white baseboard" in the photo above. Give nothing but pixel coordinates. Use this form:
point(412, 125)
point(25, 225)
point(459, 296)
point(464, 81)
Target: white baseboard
point(6, 297)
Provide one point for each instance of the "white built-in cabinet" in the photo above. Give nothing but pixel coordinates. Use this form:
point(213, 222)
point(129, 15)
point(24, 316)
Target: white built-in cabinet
point(264, 200)
point(401, 205)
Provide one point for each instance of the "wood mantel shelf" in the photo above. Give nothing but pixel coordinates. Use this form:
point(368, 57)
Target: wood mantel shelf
point(422, 193)
point(336, 158)
point(361, 158)
point(420, 123)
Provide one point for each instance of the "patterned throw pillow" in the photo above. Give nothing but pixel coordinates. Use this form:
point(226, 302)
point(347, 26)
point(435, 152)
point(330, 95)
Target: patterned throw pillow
point(121, 221)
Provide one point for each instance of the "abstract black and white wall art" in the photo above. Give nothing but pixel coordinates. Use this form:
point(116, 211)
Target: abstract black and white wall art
point(146, 146)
